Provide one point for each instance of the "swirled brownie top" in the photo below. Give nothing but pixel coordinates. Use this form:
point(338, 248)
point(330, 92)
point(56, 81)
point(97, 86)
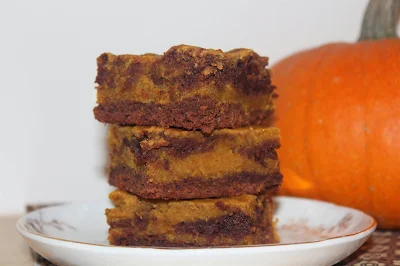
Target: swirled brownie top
point(187, 87)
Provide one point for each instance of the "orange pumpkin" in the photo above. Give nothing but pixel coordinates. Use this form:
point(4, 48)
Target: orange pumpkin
point(339, 114)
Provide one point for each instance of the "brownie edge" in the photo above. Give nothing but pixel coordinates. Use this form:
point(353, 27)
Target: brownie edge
point(198, 112)
point(192, 188)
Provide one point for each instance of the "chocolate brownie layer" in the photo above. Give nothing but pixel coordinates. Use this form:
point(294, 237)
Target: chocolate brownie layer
point(198, 112)
point(240, 220)
point(188, 87)
point(238, 184)
point(165, 163)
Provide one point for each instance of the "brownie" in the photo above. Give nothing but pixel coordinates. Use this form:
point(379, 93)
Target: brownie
point(168, 163)
point(240, 220)
point(187, 87)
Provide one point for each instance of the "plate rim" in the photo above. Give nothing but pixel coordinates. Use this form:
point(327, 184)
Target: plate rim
point(357, 235)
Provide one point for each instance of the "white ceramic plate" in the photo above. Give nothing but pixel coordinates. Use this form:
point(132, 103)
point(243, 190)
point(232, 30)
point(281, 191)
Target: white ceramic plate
point(312, 233)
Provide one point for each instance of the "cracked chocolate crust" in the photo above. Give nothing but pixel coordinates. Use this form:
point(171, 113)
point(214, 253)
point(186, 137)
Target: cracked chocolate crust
point(190, 188)
point(198, 112)
point(184, 68)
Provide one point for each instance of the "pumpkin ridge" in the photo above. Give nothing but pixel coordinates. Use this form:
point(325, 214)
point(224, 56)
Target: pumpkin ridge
point(366, 128)
point(383, 107)
point(307, 114)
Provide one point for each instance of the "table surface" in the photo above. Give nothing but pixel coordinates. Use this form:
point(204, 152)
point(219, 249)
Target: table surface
point(13, 249)
point(382, 249)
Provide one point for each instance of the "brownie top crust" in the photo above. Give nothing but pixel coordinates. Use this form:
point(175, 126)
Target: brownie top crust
point(185, 67)
point(182, 71)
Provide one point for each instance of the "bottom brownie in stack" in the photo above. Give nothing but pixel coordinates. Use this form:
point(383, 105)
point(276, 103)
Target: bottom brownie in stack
point(240, 220)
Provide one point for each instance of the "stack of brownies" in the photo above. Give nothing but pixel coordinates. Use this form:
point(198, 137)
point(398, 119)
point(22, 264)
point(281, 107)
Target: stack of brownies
point(191, 149)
